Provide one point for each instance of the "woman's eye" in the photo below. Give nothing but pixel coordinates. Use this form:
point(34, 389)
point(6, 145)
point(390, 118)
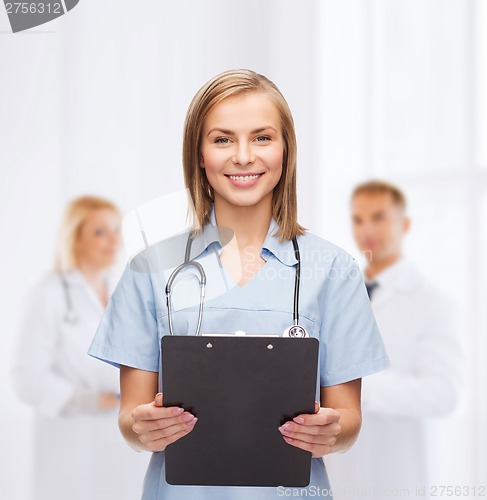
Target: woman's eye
point(263, 138)
point(100, 232)
point(222, 140)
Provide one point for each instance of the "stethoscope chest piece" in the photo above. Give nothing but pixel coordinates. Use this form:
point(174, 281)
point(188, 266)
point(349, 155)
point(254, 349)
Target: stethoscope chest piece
point(295, 331)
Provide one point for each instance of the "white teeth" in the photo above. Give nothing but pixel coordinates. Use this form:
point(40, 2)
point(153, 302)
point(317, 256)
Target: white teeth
point(243, 178)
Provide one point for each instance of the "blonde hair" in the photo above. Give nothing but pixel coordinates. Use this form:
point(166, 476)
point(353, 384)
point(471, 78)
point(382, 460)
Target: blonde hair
point(74, 217)
point(229, 84)
point(378, 186)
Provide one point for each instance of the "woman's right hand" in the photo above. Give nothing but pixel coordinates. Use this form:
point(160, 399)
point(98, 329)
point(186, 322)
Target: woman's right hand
point(157, 426)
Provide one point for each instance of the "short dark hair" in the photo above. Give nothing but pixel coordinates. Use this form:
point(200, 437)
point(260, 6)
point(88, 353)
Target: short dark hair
point(378, 186)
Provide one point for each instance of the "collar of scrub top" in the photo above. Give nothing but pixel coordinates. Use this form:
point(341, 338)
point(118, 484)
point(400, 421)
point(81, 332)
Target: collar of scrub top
point(210, 236)
point(272, 247)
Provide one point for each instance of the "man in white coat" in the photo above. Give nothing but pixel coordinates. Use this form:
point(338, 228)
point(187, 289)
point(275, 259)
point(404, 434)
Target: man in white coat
point(420, 332)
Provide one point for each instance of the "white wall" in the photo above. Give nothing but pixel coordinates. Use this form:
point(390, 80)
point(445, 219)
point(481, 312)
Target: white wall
point(95, 102)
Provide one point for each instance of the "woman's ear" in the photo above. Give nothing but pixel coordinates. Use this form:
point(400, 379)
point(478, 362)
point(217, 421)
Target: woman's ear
point(202, 161)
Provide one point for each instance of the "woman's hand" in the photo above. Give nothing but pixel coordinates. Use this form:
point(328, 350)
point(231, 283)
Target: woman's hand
point(316, 433)
point(157, 426)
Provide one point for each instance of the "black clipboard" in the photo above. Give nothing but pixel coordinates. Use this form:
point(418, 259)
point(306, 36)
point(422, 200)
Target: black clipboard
point(241, 389)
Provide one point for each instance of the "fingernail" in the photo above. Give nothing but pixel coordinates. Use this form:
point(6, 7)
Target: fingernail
point(299, 420)
point(188, 417)
point(159, 394)
point(190, 425)
point(288, 439)
point(177, 411)
point(287, 427)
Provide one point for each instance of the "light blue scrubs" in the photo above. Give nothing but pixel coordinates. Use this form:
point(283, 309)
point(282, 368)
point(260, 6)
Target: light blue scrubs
point(333, 307)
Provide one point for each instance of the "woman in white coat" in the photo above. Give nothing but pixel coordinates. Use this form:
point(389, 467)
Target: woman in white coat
point(78, 451)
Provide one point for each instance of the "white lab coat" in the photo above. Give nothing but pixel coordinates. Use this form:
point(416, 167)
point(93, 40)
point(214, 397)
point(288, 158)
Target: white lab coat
point(82, 455)
point(420, 330)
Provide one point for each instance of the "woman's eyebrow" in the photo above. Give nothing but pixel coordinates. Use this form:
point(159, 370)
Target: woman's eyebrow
point(231, 132)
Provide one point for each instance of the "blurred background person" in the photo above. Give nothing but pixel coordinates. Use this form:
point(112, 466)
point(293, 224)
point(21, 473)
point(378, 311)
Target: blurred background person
point(79, 453)
point(420, 331)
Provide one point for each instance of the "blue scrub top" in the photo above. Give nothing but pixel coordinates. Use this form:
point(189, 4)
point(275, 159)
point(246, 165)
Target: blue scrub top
point(333, 307)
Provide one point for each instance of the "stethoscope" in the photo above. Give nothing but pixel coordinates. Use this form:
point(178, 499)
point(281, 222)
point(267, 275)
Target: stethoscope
point(295, 330)
point(70, 315)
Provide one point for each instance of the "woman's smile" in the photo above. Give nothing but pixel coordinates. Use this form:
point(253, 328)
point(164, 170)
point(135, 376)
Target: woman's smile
point(244, 180)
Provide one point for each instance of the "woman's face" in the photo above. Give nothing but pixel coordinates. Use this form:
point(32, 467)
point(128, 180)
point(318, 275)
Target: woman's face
point(99, 238)
point(242, 149)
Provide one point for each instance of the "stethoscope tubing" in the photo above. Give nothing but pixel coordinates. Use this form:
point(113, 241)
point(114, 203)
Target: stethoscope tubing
point(184, 265)
point(297, 277)
point(70, 315)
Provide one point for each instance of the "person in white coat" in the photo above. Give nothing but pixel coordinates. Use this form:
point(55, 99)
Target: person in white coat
point(420, 331)
point(78, 451)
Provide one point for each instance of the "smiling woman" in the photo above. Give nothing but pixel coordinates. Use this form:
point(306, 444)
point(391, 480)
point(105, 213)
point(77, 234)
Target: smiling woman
point(239, 159)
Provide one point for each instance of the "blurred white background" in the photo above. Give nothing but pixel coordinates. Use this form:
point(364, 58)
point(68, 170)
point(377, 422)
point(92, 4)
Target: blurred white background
point(94, 102)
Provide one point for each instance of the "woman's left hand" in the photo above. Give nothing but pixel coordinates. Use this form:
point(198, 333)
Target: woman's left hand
point(315, 433)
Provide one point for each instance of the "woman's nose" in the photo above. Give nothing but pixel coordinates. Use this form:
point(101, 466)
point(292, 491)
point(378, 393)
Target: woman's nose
point(243, 155)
